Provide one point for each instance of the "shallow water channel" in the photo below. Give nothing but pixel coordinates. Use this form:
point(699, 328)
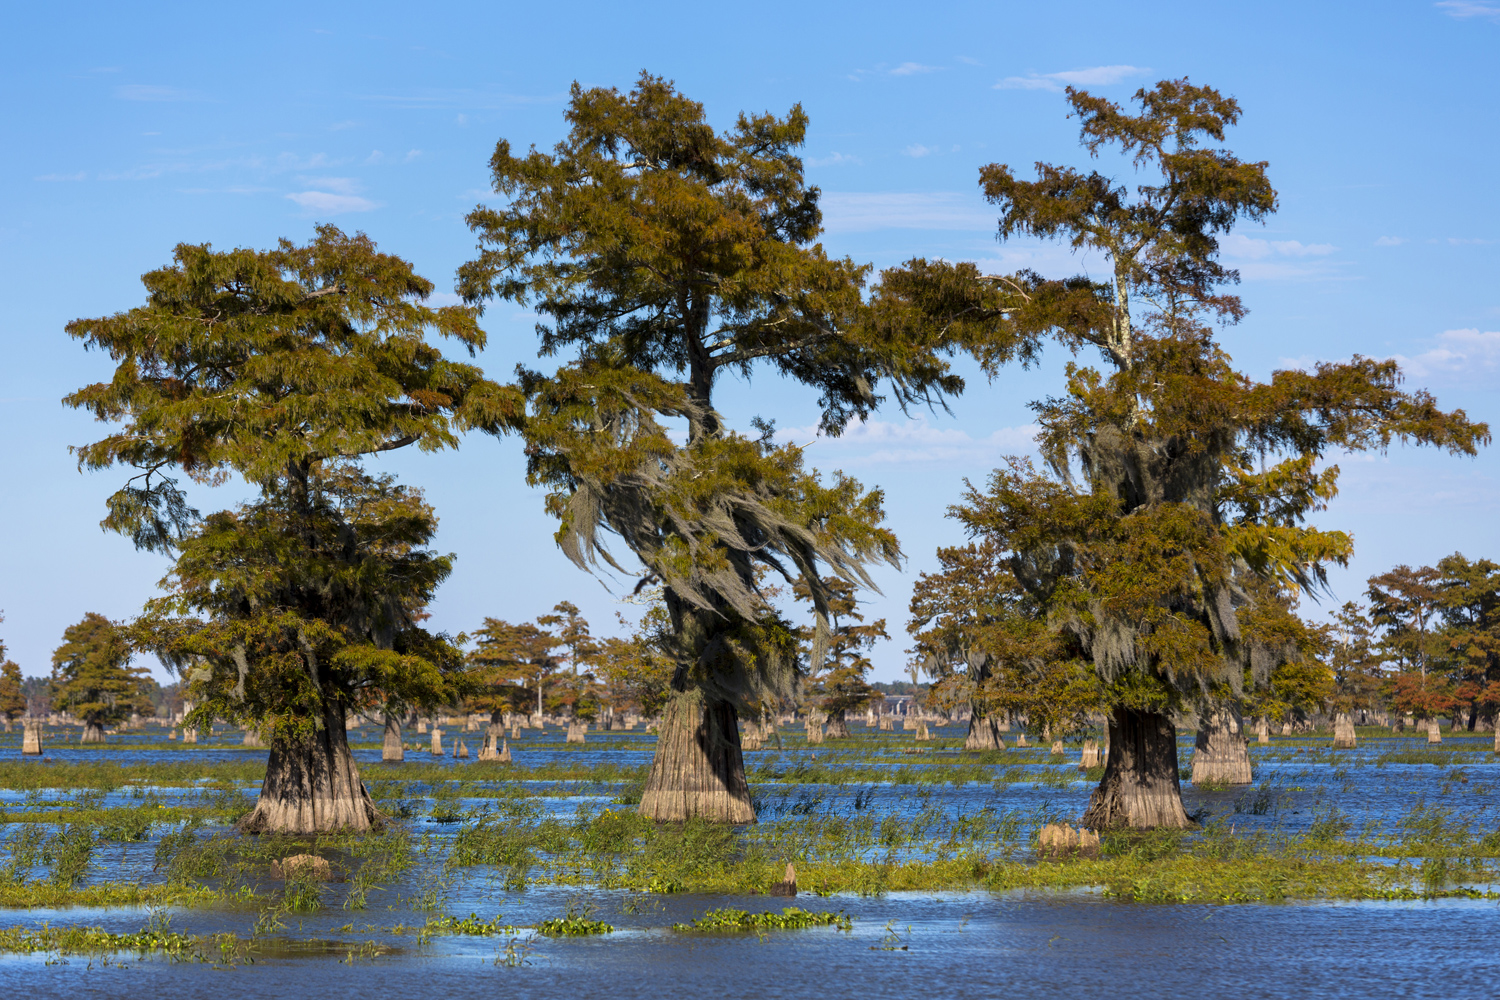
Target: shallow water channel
point(1032, 942)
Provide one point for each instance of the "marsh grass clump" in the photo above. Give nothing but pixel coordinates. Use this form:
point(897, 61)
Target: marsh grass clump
point(789, 919)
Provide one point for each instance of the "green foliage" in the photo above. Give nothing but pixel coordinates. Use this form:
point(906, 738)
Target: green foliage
point(1173, 483)
point(91, 673)
point(285, 367)
point(665, 255)
point(789, 919)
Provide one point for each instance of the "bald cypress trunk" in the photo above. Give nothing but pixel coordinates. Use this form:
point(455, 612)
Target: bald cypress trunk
point(392, 751)
point(1140, 789)
point(92, 732)
point(312, 784)
point(698, 769)
point(838, 726)
point(1343, 732)
point(1220, 755)
point(984, 733)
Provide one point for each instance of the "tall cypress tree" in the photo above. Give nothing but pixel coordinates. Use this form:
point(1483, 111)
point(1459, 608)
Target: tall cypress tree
point(1171, 479)
point(92, 677)
point(288, 367)
point(664, 255)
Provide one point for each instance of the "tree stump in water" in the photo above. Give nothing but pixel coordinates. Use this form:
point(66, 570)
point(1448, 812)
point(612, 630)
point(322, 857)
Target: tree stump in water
point(1057, 748)
point(1262, 730)
point(504, 756)
point(750, 738)
point(838, 727)
point(391, 749)
point(437, 742)
point(1090, 756)
point(422, 726)
point(1220, 755)
point(1286, 729)
point(172, 735)
point(788, 885)
point(92, 733)
point(887, 724)
point(1434, 734)
point(460, 751)
point(1343, 732)
point(31, 739)
point(1021, 741)
point(304, 866)
point(814, 729)
point(190, 735)
point(698, 769)
point(1057, 841)
point(576, 733)
point(923, 733)
point(984, 733)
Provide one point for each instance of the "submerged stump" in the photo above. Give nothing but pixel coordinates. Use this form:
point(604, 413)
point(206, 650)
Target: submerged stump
point(391, 749)
point(1220, 755)
point(1343, 732)
point(698, 769)
point(1434, 734)
point(31, 739)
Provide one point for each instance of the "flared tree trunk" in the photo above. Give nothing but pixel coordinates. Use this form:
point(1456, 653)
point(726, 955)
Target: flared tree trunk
point(31, 739)
point(1139, 789)
point(1343, 732)
point(838, 726)
point(698, 769)
point(392, 751)
point(1220, 756)
point(984, 733)
point(1262, 730)
point(1434, 734)
point(92, 732)
point(312, 784)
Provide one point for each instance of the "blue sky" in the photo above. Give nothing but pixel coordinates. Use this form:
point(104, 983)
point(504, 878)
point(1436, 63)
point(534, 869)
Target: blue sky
point(130, 128)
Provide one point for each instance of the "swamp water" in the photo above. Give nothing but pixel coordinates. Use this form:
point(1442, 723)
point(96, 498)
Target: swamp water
point(1336, 874)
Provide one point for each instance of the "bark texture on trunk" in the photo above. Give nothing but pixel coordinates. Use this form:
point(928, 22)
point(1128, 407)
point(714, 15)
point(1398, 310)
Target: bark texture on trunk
point(1220, 755)
point(984, 733)
point(838, 727)
point(312, 785)
point(698, 769)
point(392, 751)
point(1139, 789)
point(1343, 732)
point(1434, 734)
point(1262, 730)
point(31, 740)
point(92, 733)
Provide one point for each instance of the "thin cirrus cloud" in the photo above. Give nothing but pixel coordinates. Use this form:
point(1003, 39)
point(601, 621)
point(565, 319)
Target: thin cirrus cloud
point(146, 92)
point(337, 197)
point(834, 159)
point(937, 210)
point(1093, 76)
point(881, 442)
point(913, 69)
point(1466, 9)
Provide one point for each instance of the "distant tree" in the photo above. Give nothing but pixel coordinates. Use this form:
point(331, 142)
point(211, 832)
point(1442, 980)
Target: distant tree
point(984, 640)
point(92, 677)
point(1169, 474)
point(510, 666)
point(1469, 596)
point(841, 685)
point(12, 699)
point(664, 255)
point(288, 367)
point(637, 671)
point(1349, 644)
point(1406, 604)
point(579, 691)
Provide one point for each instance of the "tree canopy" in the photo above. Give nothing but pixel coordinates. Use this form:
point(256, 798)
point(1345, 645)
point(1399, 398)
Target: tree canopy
point(91, 674)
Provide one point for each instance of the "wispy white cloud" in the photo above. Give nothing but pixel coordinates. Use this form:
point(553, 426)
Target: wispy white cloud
point(1235, 245)
point(1465, 9)
point(1459, 355)
point(411, 154)
point(1459, 241)
point(942, 210)
point(913, 69)
point(912, 441)
point(145, 92)
point(332, 204)
point(338, 185)
point(834, 159)
point(917, 150)
point(1389, 241)
point(1093, 76)
point(968, 60)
